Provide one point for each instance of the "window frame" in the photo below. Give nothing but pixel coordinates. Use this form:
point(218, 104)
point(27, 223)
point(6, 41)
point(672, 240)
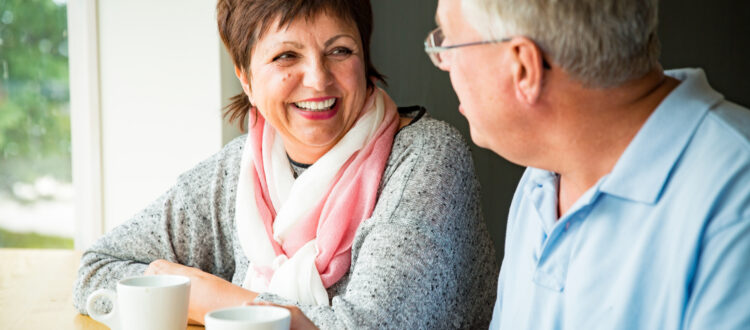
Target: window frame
point(85, 121)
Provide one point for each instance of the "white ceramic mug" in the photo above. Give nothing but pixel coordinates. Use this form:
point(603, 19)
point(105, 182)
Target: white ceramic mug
point(249, 318)
point(149, 302)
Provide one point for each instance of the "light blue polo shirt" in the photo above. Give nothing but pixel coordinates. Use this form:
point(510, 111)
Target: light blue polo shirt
point(661, 242)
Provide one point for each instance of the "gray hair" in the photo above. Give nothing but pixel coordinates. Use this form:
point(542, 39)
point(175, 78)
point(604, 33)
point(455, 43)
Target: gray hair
point(601, 43)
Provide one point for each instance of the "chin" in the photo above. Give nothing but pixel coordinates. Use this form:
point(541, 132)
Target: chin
point(477, 138)
point(319, 140)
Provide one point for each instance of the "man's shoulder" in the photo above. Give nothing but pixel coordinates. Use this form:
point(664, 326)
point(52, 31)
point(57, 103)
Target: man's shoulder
point(735, 120)
point(722, 140)
point(710, 181)
point(724, 120)
point(700, 141)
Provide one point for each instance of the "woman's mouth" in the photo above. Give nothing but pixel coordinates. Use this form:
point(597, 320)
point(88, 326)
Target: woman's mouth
point(318, 106)
point(317, 109)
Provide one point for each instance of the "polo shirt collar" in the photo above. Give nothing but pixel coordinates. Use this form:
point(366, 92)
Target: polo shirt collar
point(643, 169)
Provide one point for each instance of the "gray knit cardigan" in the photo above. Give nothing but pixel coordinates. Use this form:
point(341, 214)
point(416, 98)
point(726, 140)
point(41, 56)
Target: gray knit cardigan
point(424, 260)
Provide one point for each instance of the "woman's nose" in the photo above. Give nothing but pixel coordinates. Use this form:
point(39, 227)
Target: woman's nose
point(317, 75)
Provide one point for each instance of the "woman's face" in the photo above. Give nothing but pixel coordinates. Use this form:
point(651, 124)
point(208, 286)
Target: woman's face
point(308, 81)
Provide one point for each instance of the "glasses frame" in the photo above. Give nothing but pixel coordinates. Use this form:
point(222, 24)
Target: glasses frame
point(434, 51)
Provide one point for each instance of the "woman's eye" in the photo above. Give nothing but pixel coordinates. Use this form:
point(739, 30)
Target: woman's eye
point(341, 51)
point(284, 56)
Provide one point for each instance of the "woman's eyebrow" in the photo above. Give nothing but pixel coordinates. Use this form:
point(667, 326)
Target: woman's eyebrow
point(327, 43)
point(294, 44)
point(332, 40)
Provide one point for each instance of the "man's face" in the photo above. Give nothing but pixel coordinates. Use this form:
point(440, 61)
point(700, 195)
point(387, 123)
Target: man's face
point(483, 82)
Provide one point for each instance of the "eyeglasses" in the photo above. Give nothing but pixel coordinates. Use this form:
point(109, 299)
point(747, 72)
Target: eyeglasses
point(433, 45)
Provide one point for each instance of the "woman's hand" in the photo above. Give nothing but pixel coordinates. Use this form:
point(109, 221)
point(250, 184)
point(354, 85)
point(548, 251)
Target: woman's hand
point(299, 320)
point(207, 292)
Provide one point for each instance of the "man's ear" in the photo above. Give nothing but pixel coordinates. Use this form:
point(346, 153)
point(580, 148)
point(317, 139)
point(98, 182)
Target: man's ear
point(242, 77)
point(528, 70)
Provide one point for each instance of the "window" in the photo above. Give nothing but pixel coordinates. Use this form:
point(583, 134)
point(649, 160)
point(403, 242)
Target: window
point(36, 194)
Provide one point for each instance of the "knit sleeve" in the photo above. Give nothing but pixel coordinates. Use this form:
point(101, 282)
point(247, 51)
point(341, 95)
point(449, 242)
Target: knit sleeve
point(188, 225)
point(424, 260)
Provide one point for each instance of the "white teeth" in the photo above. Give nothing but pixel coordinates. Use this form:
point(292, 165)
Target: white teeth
point(316, 106)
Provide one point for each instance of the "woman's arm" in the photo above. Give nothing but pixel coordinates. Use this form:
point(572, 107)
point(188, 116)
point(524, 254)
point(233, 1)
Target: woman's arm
point(188, 225)
point(207, 292)
point(424, 259)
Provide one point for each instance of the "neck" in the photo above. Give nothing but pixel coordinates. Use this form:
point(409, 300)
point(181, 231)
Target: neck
point(596, 126)
point(306, 155)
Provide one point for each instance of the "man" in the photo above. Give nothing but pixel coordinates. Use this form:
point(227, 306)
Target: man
point(634, 211)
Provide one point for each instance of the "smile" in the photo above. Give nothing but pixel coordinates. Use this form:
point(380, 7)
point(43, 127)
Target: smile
point(315, 105)
point(317, 108)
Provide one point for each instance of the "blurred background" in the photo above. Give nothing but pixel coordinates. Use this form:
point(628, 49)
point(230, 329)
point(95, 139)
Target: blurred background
point(161, 78)
point(36, 208)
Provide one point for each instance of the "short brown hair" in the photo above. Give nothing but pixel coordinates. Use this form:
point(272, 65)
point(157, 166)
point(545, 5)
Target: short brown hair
point(242, 23)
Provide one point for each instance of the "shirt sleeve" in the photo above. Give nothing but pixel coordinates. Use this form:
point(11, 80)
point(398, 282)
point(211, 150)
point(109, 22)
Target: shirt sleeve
point(182, 226)
point(720, 290)
point(424, 260)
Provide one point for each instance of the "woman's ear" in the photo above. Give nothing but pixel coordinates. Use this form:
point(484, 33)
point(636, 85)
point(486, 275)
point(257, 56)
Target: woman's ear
point(528, 71)
point(242, 77)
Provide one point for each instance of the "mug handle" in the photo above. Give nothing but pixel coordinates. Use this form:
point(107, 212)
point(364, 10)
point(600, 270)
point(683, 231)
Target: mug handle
point(109, 319)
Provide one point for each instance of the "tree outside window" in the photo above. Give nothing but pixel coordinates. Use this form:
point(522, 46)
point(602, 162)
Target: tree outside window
point(36, 207)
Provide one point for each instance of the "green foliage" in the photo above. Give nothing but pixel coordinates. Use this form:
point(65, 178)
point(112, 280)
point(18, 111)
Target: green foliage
point(34, 101)
point(10, 239)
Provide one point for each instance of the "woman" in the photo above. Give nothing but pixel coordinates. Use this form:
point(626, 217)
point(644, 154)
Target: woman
point(360, 214)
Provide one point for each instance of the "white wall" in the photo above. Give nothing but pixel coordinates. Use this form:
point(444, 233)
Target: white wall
point(161, 94)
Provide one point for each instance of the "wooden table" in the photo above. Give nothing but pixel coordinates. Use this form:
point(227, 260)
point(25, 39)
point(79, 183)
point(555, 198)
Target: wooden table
point(36, 291)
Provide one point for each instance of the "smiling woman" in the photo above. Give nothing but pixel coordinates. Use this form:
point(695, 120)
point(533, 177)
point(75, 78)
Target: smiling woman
point(336, 201)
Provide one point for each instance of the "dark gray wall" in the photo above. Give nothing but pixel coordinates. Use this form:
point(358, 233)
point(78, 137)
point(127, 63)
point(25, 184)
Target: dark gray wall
point(694, 33)
point(713, 35)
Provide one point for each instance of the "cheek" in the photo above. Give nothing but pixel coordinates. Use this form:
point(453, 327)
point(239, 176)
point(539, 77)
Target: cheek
point(477, 87)
point(351, 75)
point(464, 84)
point(271, 86)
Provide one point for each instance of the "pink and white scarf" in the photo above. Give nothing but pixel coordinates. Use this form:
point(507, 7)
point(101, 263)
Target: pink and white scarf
point(298, 234)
